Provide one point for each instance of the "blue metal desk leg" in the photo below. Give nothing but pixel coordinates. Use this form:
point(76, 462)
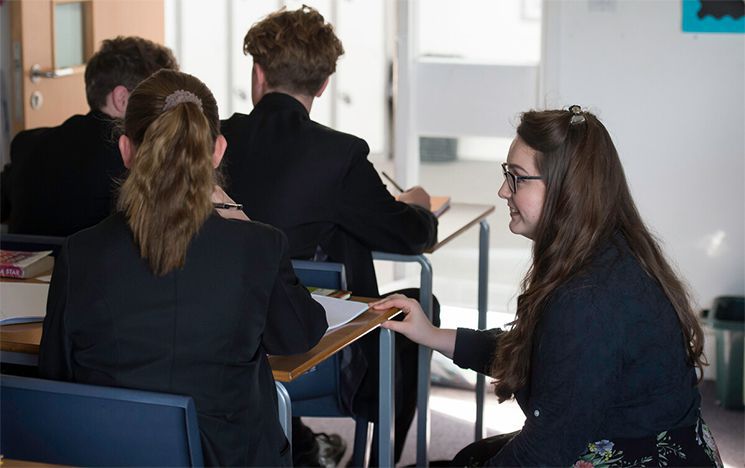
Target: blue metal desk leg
point(386, 405)
point(425, 359)
point(425, 354)
point(482, 305)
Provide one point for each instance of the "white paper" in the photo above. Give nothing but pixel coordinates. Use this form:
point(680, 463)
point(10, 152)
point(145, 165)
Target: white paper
point(22, 302)
point(340, 311)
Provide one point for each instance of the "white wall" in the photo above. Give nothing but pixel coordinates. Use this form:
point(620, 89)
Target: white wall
point(674, 104)
point(456, 98)
point(199, 33)
point(207, 37)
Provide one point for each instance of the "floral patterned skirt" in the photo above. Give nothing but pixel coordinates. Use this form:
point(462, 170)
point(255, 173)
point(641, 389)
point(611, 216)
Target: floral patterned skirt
point(686, 446)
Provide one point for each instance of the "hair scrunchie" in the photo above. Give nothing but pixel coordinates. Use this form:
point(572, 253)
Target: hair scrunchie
point(180, 96)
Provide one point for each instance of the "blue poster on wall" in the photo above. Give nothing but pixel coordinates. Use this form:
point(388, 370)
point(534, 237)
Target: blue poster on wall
point(714, 16)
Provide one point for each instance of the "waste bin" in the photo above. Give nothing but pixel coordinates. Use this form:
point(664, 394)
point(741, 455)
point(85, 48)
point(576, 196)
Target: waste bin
point(727, 320)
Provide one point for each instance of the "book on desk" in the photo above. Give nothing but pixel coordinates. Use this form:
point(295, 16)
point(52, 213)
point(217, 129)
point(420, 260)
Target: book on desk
point(24, 285)
point(22, 264)
point(438, 204)
point(23, 301)
point(337, 293)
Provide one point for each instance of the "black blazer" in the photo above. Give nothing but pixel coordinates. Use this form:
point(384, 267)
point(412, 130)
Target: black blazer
point(203, 330)
point(62, 179)
point(317, 185)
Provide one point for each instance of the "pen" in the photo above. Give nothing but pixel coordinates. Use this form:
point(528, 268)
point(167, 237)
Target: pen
point(395, 185)
point(228, 206)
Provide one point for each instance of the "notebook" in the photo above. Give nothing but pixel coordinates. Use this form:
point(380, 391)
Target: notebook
point(438, 204)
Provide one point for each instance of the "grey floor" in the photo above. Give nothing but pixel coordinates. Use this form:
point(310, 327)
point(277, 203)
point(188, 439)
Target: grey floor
point(453, 411)
point(455, 284)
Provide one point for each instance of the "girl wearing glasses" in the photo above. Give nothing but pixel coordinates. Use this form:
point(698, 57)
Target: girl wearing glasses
point(603, 352)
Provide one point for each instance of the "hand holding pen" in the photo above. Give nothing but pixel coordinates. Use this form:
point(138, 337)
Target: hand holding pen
point(414, 196)
point(225, 206)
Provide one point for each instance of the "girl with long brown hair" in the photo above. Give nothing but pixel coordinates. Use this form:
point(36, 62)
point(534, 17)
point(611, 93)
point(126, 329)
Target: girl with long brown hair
point(172, 293)
point(603, 352)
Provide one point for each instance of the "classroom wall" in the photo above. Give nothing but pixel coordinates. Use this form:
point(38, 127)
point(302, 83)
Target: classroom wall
point(674, 103)
point(506, 88)
point(355, 100)
point(4, 83)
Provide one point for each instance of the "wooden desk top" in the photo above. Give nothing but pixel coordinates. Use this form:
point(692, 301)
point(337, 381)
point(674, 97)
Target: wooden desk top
point(25, 338)
point(458, 218)
point(9, 462)
point(288, 368)
point(21, 337)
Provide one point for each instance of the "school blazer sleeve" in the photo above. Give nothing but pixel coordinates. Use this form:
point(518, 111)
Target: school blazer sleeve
point(55, 348)
point(369, 212)
point(295, 322)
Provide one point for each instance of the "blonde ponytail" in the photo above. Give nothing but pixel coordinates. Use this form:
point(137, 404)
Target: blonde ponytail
point(167, 195)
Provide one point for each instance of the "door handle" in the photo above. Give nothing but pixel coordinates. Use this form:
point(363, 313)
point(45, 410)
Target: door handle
point(37, 73)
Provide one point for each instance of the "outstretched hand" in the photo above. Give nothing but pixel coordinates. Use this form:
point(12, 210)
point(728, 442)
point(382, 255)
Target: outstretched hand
point(415, 325)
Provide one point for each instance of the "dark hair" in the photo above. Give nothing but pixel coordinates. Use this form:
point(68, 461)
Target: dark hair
point(587, 202)
point(123, 61)
point(166, 196)
point(296, 49)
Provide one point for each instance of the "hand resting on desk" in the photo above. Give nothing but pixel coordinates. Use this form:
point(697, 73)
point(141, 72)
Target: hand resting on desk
point(416, 326)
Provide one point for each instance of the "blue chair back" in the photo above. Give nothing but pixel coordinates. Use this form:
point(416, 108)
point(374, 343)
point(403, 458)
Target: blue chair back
point(30, 243)
point(86, 425)
point(318, 392)
point(321, 274)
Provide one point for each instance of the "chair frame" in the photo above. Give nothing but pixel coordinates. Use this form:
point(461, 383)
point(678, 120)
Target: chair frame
point(28, 242)
point(330, 275)
point(88, 425)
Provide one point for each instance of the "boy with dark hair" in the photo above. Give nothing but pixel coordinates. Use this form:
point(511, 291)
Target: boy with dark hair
point(317, 185)
point(62, 179)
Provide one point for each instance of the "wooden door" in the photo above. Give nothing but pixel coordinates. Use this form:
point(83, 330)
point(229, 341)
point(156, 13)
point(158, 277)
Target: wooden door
point(50, 42)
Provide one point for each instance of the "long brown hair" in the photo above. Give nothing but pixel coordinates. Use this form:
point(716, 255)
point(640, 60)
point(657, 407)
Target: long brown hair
point(587, 201)
point(166, 196)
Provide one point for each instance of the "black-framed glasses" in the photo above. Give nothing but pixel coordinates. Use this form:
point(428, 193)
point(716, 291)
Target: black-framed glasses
point(513, 179)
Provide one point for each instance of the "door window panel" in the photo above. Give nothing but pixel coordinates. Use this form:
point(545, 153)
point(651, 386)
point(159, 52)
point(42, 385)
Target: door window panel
point(69, 34)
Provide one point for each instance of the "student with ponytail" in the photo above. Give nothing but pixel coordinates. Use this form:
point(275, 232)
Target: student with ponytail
point(603, 352)
point(171, 294)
